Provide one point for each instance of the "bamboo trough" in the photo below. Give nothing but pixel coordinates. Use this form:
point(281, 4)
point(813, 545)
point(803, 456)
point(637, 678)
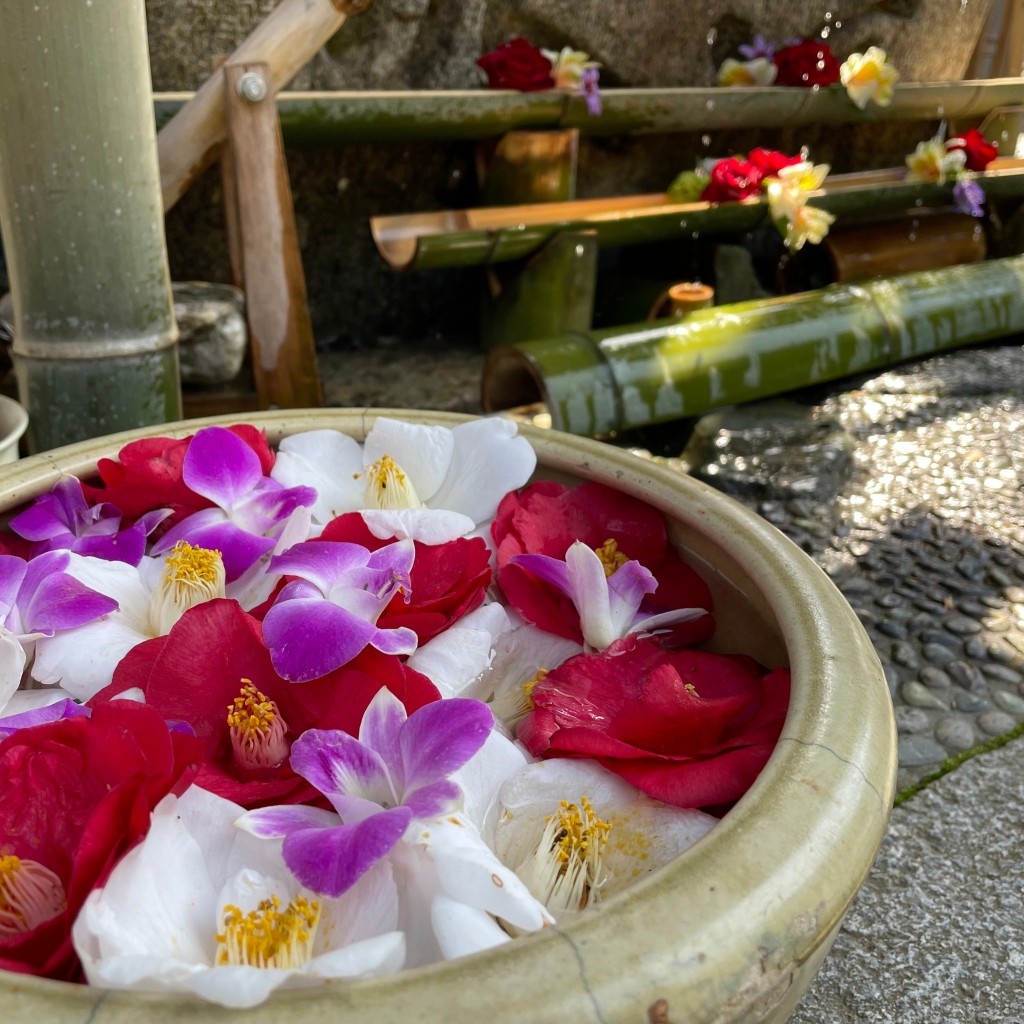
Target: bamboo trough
point(496, 234)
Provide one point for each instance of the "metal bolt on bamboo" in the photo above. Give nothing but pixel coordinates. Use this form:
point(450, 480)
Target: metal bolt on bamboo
point(80, 210)
point(601, 382)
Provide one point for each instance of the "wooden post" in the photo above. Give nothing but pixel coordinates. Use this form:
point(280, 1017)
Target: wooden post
point(280, 332)
point(286, 39)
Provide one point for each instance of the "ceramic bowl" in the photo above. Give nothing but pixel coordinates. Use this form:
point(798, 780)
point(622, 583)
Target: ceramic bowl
point(732, 930)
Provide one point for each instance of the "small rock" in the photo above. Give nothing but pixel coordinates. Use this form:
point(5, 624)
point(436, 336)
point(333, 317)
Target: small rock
point(919, 696)
point(995, 723)
point(213, 338)
point(918, 750)
point(961, 625)
point(938, 654)
point(911, 720)
point(934, 678)
point(955, 734)
point(904, 654)
point(967, 675)
point(1001, 673)
point(972, 703)
point(1008, 702)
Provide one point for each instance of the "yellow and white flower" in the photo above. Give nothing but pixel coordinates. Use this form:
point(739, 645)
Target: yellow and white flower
point(758, 71)
point(869, 77)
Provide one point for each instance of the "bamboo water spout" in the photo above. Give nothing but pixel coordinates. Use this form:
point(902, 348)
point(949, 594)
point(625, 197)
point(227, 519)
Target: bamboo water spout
point(495, 234)
point(600, 382)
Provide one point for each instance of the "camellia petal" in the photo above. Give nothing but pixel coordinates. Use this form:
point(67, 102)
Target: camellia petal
point(220, 466)
point(329, 461)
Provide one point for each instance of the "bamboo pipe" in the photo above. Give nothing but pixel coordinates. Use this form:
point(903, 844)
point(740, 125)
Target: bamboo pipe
point(492, 235)
point(95, 339)
point(285, 40)
point(601, 382)
point(335, 118)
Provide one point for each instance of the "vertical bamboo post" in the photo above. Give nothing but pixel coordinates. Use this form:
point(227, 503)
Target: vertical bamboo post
point(80, 211)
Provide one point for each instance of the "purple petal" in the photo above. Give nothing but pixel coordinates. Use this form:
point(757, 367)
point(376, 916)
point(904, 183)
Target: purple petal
point(336, 762)
point(38, 716)
point(399, 640)
point(12, 574)
point(127, 546)
point(269, 503)
point(220, 466)
point(283, 820)
point(433, 800)
point(50, 599)
point(381, 728)
point(238, 548)
point(631, 583)
point(330, 861)
point(550, 570)
point(309, 638)
point(440, 738)
point(323, 562)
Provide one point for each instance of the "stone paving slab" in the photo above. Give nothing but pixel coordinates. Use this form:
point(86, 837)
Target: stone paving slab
point(936, 935)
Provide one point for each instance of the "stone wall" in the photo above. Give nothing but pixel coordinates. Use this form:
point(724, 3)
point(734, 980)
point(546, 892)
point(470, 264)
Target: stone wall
point(424, 44)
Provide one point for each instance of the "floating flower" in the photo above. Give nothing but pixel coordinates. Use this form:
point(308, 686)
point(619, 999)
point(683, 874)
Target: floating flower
point(731, 180)
point(978, 151)
point(77, 795)
point(409, 480)
point(755, 71)
point(249, 509)
point(230, 923)
point(760, 47)
point(214, 672)
point(147, 475)
point(932, 161)
point(969, 197)
point(688, 727)
point(796, 219)
point(62, 518)
point(608, 603)
point(328, 613)
point(576, 834)
point(547, 518)
point(807, 63)
point(869, 77)
point(517, 64)
point(396, 771)
point(590, 89)
point(770, 162)
point(567, 66)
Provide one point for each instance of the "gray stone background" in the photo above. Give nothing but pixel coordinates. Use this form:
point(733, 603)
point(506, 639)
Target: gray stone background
point(356, 301)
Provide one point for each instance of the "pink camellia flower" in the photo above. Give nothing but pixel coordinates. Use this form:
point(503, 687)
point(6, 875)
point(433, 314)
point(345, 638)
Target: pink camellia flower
point(807, 63)
point(546, 518)
point(978, 151)
point(688, 727)
point(731, 180)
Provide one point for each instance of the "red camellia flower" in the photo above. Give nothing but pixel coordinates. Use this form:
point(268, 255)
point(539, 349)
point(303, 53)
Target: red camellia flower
point(147, 475)
point(546, 517)
point(77, 795)
point(213, 671)
point(517, 64)
point(978, 150)
point(448, 580)
point(690, 728)
point(769, 161)
point(732, 179)
point(806, 63)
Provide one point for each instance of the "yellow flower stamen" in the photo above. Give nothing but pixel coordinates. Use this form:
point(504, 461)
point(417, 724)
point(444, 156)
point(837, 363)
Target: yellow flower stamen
point(269, 936)
point(566, 871)
point(611, 557)
point(191, 576)
point(388, 486)
point(257, 729)
point(30, 894)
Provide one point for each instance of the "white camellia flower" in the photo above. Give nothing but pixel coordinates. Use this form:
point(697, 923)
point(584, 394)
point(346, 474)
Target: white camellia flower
point(430, 483)
point(204, 907)
point(575, 833)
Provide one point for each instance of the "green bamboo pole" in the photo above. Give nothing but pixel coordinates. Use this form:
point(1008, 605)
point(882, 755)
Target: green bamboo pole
point(434, 243)
point(80, 210)
point(332, 118)
point(601, 382)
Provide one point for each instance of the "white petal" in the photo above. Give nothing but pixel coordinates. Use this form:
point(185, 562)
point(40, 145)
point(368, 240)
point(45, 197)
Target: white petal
point(255, 585)
point(32, 700)
point(83, 659)
point(489, 461)
point(427, 525)
point(12, 665)
point(123, 582)
point(328, 460)
point(470, 873)
point(461, 929)
point(424, 453)
point(482, 776)
point(382, 954)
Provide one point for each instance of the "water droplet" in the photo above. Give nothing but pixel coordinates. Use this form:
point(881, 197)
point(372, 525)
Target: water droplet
point(706, 139)
point(710, 104)
point(839, 24)
point(940, 110)
point(824, 32)
point(828, 15)
point(712, 35)
point(695, 235)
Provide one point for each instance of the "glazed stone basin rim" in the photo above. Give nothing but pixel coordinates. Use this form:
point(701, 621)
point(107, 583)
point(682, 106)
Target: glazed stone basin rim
point(732, 930)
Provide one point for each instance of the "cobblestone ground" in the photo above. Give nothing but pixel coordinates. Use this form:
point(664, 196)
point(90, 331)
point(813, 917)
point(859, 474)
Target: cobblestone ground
point(904, 486)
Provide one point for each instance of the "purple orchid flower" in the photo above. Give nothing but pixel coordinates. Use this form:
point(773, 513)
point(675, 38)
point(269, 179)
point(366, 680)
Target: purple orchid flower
point(591, 93)
point(40, 597)
point(325, 618)
point(969, 197)
point(66, 708)
point(251, 509)
point(397, 771)
point(609, 606)
point(760, 47)
point(63, 519)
